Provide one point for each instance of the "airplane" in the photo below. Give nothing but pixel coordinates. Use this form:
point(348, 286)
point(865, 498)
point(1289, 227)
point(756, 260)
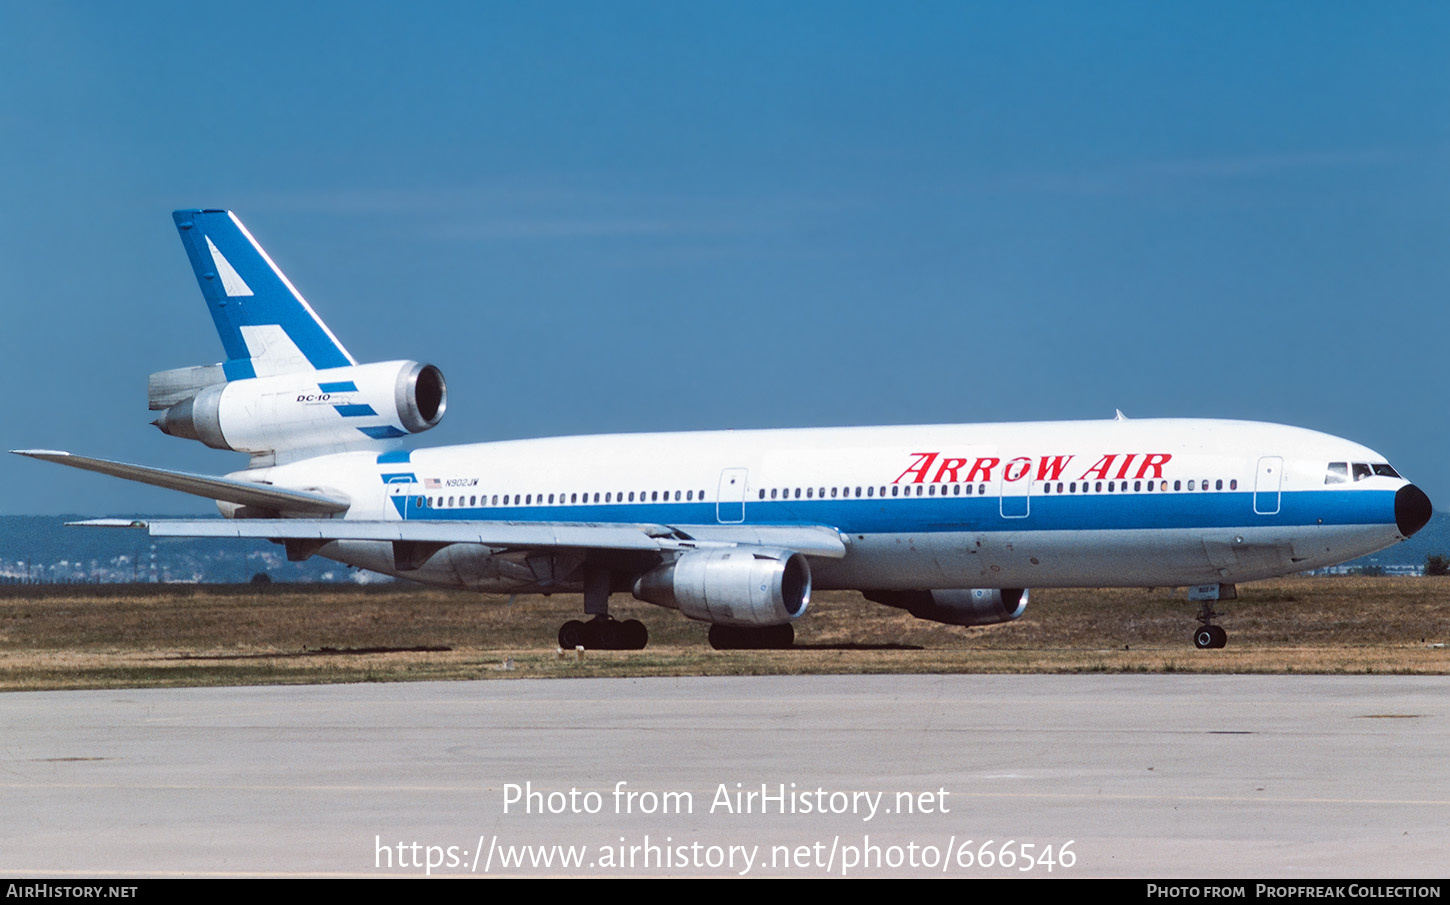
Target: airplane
point(952, 523)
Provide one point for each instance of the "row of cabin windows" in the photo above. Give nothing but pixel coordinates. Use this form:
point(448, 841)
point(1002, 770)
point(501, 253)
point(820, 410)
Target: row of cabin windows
point(796, 493)
point(1139, 486)
point(564, 499)
point(810, 493)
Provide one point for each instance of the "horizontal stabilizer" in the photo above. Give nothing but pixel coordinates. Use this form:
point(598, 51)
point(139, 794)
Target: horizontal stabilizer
point(230, 490)
point(166, 388)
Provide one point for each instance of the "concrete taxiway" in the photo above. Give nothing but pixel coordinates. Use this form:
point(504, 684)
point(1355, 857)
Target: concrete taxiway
point(1153, 776)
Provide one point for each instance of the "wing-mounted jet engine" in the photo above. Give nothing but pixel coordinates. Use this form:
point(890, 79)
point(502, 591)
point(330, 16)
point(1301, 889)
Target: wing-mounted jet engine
point(750, 596)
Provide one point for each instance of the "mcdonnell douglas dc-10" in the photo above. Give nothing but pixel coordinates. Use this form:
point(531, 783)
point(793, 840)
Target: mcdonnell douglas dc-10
point(735, 528)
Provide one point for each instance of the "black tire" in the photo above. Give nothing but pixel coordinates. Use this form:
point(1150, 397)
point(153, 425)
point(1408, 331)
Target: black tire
point(734, 637)
point(608, 635)
point(723, 637)
point(572, 634)
point(1220, 636)
point(1203, 638)
point(636, 636)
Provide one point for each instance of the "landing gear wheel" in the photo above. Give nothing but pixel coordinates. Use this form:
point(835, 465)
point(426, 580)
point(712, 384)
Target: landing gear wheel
point(782, 636)
point(734, 637)
point(603, 633)
point(1210, 637)
point(608, 634)
point(573, 634)
point(636, 636)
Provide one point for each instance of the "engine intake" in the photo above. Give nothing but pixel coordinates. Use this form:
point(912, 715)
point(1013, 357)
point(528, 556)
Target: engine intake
point(732, 586)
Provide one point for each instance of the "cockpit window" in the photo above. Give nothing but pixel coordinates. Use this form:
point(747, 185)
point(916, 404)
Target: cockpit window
point(1340, 472)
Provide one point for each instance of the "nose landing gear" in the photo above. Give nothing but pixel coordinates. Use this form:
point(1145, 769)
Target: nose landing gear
point(1209, 636)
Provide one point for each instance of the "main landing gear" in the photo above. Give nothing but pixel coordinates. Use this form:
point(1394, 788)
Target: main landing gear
point(1209, 636)
point(734, 637)
point(603, 631)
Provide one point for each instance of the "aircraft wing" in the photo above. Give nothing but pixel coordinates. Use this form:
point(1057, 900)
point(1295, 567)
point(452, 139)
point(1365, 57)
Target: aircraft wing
point(811, 540)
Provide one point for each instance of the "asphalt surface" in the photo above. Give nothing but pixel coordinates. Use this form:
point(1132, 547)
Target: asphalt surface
point(1144, 776)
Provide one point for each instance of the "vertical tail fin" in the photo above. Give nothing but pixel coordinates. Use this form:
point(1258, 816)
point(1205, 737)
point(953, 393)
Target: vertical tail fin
point(265, 324)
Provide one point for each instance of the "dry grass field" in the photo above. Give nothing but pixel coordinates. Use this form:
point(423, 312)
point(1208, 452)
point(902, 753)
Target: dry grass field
point(175, 635)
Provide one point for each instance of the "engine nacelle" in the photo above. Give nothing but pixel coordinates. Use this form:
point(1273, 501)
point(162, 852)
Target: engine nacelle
point(974, 606)
point(334, 409)
point(744, 586)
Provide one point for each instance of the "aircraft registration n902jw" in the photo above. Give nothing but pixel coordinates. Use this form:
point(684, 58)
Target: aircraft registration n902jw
point(736, 528)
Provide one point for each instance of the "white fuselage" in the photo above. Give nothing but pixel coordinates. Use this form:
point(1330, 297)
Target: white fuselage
point(1044, 504)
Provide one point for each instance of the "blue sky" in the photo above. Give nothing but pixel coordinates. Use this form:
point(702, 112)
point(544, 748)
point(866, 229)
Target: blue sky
point(600, 217)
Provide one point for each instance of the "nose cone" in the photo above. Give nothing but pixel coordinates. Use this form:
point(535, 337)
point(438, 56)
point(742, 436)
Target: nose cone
point(1412, 509)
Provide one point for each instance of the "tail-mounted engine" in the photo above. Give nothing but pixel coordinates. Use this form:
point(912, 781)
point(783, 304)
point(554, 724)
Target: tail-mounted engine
point(732, 586)
point(974, 606)
point(333, 410)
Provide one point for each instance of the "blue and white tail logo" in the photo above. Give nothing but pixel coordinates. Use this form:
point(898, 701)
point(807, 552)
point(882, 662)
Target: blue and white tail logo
point(266, 326)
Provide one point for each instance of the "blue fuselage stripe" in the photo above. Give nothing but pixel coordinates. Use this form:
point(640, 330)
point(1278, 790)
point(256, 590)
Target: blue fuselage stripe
point(1090, 512)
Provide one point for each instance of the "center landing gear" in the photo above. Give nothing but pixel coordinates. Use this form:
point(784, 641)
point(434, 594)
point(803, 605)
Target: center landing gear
point(603, 631)
point(1210, 636)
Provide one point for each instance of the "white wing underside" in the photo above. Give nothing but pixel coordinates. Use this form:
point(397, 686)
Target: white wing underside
point(812, 540)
